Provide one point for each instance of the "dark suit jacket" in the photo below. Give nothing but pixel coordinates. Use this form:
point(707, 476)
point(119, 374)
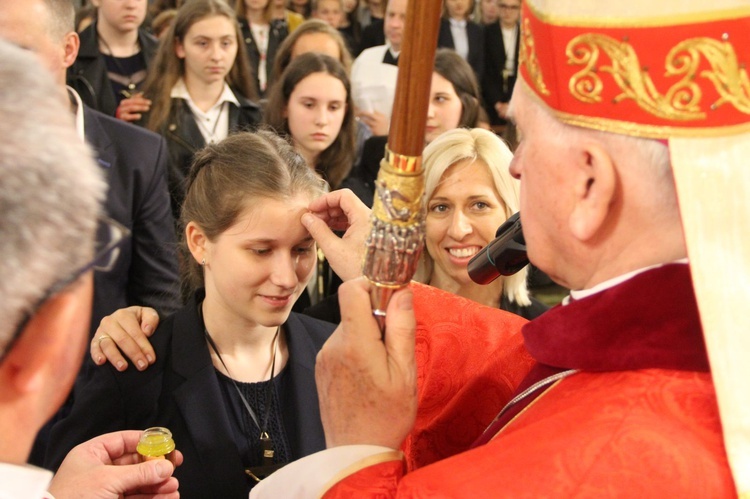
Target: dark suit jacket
point(492, 82)
point(276, 35)
point(372, 35)
point(181, 392)
point(475, 34)
point(184, 139)
point(88, 75)
point(134, 163)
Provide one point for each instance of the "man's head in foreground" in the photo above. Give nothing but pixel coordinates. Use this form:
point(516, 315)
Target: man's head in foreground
point(49, 199)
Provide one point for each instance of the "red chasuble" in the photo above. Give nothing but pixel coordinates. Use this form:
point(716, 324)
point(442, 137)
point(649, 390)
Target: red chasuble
point(457, 340)
point(639, 419)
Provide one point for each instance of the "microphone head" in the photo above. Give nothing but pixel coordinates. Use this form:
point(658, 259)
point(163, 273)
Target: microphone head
point(505, 255)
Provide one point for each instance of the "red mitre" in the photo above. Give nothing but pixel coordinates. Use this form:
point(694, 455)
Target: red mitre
point(677, 71)
point(685, 76)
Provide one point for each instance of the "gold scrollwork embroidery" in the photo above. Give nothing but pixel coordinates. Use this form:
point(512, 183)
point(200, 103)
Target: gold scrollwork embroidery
point(527, 57)
point(729, 78)
point(682, 100)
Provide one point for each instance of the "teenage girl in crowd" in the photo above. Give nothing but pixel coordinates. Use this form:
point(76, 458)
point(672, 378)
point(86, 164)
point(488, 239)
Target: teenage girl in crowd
point(460, 33)
point(113, 60)
point(234, 374)
point(201, 86)
point(315, 35)
point(470, 193)
point(311, 103)
point(262, 37)
point(454, 103)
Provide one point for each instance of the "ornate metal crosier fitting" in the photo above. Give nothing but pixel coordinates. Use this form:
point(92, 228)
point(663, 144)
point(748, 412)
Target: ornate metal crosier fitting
point(395, 241)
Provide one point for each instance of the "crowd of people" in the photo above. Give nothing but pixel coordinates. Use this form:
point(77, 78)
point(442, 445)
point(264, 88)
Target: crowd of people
point(120, 43)
point(207, 170)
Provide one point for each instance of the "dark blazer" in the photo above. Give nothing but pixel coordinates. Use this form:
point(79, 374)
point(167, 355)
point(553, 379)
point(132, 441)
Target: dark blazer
point(493, 89)
point(184, 139)
point(134, 163)
point(475, 34)
point(372, 35)
point(181, 391)
point(276, 34)
point(88, 74)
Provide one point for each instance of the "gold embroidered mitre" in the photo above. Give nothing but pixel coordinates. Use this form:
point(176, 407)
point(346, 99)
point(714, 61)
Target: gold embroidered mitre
point(674, 70)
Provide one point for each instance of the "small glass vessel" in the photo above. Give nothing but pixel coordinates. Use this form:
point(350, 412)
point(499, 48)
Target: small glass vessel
point(155, 443)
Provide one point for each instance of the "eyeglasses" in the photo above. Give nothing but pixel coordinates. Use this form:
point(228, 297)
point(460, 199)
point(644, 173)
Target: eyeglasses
point(509, 7)
point(110, 235)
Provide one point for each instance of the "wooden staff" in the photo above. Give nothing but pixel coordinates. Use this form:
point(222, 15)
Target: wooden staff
point(397, 233)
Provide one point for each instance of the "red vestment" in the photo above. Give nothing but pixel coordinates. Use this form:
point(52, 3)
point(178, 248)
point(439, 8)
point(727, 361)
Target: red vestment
point(457, 340)
point(639, 420)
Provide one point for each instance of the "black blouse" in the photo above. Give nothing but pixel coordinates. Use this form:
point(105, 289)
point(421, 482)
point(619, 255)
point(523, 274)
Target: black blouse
point(264, 398)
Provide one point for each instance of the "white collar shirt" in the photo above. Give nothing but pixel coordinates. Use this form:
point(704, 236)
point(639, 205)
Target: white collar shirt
point(214, 123)
point(460, 37)
point(23, 482)
point(510, 36)
point(78, 112)
point(611, 283)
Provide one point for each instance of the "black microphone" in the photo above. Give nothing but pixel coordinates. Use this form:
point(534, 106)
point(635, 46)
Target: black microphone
point(505, 255)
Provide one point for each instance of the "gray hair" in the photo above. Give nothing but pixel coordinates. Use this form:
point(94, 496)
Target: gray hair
point(62, 17)
point(50, 193)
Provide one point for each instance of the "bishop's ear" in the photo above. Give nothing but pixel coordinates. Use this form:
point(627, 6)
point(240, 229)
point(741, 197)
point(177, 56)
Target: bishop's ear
point(42, 364)
point(595, 184)
point(71, 46)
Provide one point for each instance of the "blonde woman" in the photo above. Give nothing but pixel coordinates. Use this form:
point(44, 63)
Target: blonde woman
point(469, 193)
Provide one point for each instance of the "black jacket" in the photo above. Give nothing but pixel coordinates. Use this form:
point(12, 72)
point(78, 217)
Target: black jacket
point(372, 35)
point(181, 392)
point(277, 33)
point(88, 74)
point(134, 164)
point(475, 34)
point(493, 90)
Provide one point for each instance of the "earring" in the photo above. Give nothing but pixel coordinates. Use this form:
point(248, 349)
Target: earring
point(203, 262)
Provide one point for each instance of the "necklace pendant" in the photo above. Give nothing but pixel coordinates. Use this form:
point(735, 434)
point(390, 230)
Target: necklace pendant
point(267, 445)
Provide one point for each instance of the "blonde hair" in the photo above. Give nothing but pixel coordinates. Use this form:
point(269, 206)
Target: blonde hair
point(475, 144)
